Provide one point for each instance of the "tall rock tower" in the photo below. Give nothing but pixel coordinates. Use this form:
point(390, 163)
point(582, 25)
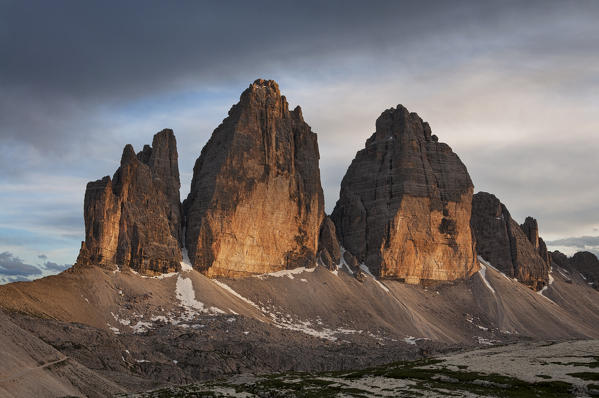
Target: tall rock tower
point(405, 203)
point(256, 203)
point(134, 219)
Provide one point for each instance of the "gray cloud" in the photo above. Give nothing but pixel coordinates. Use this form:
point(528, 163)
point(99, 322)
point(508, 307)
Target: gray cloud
point(576, 244)
point(53, 267)
point(511, 86)
point(12, 266)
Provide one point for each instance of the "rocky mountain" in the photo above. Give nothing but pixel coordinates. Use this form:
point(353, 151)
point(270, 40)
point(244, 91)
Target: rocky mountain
point(503, 243)
point(405, 203)
point(134, 219)
point(276, 285)
point(147, 332)
point(583, 263)
point(531, 230)
point(256, 203)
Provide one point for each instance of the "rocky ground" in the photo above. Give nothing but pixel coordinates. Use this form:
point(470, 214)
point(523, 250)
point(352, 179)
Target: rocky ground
point(545, 369)
point(121, 332)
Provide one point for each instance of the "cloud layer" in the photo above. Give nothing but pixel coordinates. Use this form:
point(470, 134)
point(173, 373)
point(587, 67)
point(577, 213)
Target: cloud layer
point(512, 86)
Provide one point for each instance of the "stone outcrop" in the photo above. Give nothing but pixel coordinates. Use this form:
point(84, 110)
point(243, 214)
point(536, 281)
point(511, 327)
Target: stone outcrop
point(329, 250)
point(584, 263)
point(504, 244)
point(405, 203)
point(134, 219)
point(531, 230)
point(256, 203)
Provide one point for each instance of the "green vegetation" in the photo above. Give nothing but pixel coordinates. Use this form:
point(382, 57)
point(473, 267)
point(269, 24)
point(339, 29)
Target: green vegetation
point(406, 378)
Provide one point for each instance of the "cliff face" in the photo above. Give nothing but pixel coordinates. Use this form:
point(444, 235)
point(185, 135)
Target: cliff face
point(531, 230)
point(134, 219)
point(405, 204)
point(256, 203)
point(503, 243)
point(584, 263)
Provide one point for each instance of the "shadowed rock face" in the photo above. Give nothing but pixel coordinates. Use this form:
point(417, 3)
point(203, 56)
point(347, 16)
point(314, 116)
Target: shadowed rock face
point(503, 243)
point(328, 245)
point(134, 219)
point(256, 203)
point(584, 263)
point(405, 203)
point(531, 230)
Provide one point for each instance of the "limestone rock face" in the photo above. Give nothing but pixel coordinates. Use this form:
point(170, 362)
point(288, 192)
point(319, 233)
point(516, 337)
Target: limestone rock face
point(503, 243)
point(256, 203)
point(405, 203)
point(134, 219)
point(328, 245)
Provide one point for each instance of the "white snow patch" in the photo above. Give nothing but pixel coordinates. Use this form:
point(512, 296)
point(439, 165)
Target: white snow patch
point(85, 298)
point(141, 360)
point(343, 263)
point(559, 269)
point(141, 327)
point(483, 341)
point(175, 361)
point(186, 262)
point(234, 293)
point(286, 272)
point(160, 318)
point(544, 289)
point(162, 276)
point(125, 322)
point(583, 277)
point(483, 274)
point(488, 264)
point(364, 268)
point(114, 330)
point(413, 340)
point(187, 297)
point(304, 280)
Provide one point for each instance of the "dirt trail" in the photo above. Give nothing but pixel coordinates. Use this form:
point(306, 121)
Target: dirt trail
point(24, 372)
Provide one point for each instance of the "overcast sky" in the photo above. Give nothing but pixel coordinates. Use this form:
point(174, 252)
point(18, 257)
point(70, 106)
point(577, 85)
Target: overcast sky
point(511, 86)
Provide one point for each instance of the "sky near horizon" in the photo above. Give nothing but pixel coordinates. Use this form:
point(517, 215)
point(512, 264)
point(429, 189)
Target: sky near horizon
point(511, 86)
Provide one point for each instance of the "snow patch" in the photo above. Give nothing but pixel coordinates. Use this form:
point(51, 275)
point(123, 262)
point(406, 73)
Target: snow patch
point(186, 262)
point(234, 293)
point(483, 274)
point(488, 264)
point(187, 297)
point(483, 341)
point(413, 340)
point(114, 330)
point(141, 327)
point(583, 277)
point(286, 272)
